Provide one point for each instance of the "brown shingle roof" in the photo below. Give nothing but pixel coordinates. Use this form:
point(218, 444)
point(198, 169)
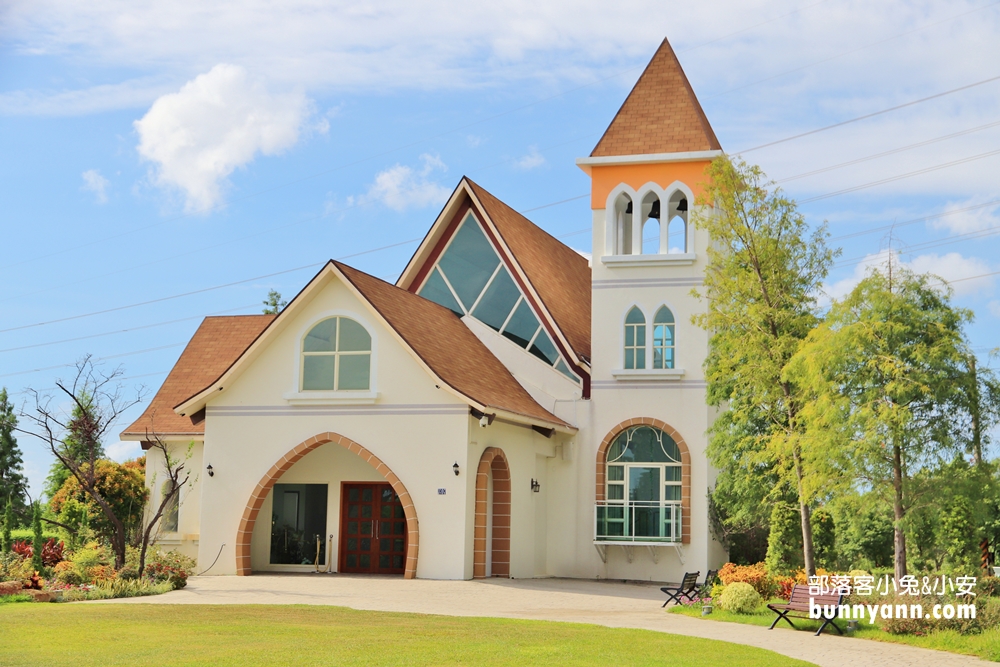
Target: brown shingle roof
point(559, 274)
point(215, 346)
point(660, 115)
point(448, 347)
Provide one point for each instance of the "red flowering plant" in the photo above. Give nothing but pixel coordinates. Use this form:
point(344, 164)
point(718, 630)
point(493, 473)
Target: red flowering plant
point(52, 552)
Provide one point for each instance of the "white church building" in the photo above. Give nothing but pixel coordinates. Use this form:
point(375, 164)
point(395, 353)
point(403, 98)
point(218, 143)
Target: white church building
point(507, 408)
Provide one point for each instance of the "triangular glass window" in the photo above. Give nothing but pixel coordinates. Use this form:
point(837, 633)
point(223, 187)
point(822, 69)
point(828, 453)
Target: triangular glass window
point(437, 291)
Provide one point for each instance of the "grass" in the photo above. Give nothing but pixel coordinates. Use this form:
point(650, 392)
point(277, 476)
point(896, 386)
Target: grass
point(985, 645)
point(19, 534)
point(294, 635)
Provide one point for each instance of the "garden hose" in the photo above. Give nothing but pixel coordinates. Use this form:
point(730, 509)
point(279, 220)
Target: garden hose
point(213, 562)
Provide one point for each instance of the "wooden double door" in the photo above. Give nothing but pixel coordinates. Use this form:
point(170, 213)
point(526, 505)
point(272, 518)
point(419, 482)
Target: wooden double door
point(372, 529)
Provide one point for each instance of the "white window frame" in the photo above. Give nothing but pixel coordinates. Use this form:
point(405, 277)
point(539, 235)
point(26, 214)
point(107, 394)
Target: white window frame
point(299, 396)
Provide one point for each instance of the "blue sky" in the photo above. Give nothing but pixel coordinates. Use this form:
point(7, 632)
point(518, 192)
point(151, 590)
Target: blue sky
point(151, 150)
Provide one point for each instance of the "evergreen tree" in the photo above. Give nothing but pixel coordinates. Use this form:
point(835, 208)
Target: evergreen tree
point(784, 541)
point(38, 542)
point(274, 303)
point(77, 446)
point(13, 485)
point(824, 538)
point(8, 526)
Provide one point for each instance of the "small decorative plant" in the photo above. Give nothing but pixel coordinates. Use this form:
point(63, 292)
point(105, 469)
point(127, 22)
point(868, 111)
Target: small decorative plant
point(739, 598)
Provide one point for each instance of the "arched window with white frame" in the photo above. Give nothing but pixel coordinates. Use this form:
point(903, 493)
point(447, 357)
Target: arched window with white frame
point(622, 236)
point(635, 339)
point(675, 240)
point(336, 356)
point(650, 221)
point(663, 338)
point(644, 487)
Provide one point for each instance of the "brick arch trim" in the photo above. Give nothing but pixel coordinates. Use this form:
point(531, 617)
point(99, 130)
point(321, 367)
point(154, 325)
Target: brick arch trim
point(602, 460)
point(493, 459)
point(256, 501)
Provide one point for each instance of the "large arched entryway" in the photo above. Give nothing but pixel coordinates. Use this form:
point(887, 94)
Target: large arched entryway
point(492, 465)
point(256, 501)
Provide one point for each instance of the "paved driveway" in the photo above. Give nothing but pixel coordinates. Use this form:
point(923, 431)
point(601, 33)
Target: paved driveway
point(580, 601)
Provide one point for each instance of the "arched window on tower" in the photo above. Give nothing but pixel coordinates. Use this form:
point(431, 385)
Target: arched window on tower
point(635, 339)
point(676, 238)
point(623, 226)
point(663, 338)
point(650, 224)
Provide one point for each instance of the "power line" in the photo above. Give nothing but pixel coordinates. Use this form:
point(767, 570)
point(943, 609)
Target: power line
point(869, 115)
point(105, 358)
point(918, 172)
point(889, 152)
point(118, 331)
point(874, 230)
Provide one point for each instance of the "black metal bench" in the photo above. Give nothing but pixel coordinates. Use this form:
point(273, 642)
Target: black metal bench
point(687, 588)
point(798, 605)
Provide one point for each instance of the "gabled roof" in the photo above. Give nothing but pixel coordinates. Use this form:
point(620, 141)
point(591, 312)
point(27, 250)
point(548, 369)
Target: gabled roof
point(557, 276)
point(437, 338)
point(660, 115)
point(215, 346)
point(449, 348)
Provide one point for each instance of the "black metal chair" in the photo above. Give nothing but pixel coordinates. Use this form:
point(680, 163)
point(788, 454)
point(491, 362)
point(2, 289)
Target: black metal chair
point(705, 590)
point(687, 587)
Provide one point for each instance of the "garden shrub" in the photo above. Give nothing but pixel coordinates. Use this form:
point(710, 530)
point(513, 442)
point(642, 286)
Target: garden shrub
point(783, 586)
point(824, 538)
point(959, 536)
point(14, 567)
point(67, 573)
point(169, 566)
point(52, 551)
point(717, 590)
point(739, 598)
point(755, 575)
point(988, 586)
point(117, 588)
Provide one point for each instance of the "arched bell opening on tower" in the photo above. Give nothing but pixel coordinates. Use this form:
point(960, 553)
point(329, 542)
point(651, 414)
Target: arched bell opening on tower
point(623, 225)
point(650, 224)
point(676, 238)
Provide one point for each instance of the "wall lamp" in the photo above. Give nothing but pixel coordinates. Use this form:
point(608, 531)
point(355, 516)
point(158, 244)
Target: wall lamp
point(455, 468)
point(535, 485)
point(211, 471)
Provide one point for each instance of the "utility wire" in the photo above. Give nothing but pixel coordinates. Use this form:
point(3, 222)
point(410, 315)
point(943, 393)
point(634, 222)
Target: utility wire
point(869, 115)
point(889, 152)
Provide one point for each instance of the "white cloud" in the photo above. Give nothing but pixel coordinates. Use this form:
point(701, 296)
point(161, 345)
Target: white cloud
point(531, 160)
point(950, 267)
point(123, 451)
point(964, 222)
point(401, 187)
point(216, 123)
point(94, 182)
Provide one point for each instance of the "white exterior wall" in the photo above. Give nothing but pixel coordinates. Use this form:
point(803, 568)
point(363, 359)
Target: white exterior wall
point(185, 539)
point(417, 430)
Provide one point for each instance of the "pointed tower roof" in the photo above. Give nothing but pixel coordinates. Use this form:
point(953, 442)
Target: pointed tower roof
point(660, 115)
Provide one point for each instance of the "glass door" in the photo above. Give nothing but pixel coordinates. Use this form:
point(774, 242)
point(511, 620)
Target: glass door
point(298, 524)
point(372, 530)
point(644, 489)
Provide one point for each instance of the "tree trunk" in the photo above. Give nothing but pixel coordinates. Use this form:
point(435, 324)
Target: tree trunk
point(807, 536)
point(899, 538)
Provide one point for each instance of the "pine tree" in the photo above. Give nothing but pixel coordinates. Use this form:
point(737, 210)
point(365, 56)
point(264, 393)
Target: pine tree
point(8, 526)
point(38, 544)
point(76, 445)
point(274, 303)
point(13, 485)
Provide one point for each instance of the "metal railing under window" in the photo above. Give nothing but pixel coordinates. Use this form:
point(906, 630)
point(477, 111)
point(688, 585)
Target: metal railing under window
point(637, 521)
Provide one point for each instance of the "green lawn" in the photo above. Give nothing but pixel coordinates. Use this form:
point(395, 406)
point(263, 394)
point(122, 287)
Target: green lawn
point(985, 645)
point(146, 634)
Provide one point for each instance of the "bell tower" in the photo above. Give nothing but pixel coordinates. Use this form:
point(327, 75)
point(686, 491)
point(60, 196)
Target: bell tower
point(647, 174)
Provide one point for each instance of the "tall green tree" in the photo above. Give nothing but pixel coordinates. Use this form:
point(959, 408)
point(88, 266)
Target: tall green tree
point(885, 370)
point(8, 526)
point(13, 485)
point(38, 540)
point(764, 271)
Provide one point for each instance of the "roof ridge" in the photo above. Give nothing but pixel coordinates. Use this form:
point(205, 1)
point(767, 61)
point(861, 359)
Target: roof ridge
point(514, 210)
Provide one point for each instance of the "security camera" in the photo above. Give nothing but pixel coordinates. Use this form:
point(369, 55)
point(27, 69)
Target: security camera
point(484, 421)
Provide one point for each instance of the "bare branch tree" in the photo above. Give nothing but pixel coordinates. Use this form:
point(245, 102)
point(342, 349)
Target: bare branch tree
point(177, 475)
point(74, 437)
